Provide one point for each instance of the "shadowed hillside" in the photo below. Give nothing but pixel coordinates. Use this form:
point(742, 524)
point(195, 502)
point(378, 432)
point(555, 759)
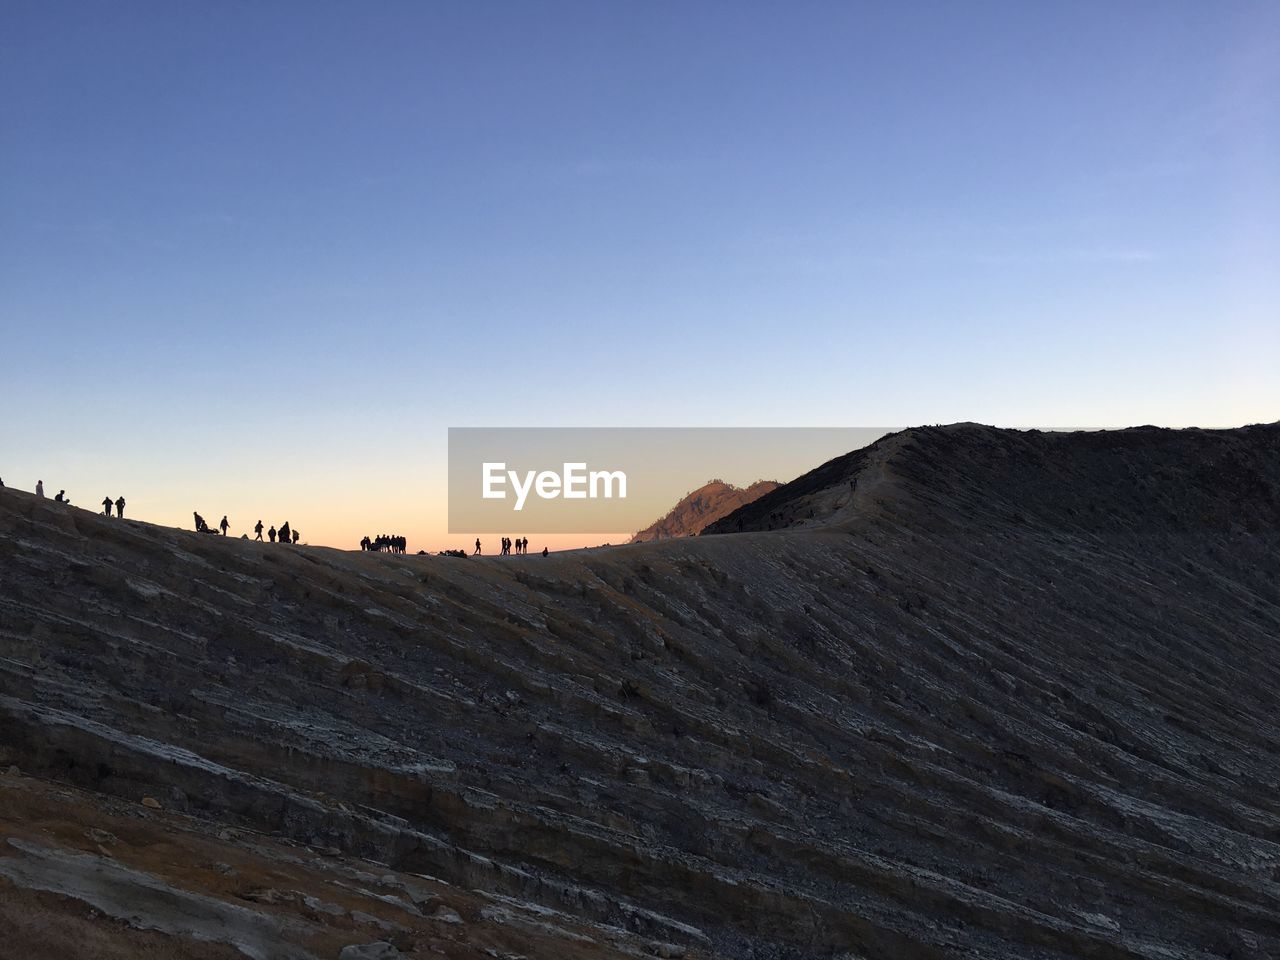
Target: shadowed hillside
point(977, 693)
point(702, 507)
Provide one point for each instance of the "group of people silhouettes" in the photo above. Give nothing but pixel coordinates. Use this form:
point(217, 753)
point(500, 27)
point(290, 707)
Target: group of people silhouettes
point(61, 497)
point(520, 545)
point(384, 543)
point(283, 535)
point(203, 527)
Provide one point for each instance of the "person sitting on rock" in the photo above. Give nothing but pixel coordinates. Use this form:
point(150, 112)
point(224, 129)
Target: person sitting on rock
point(544, 551)
point(61, 497)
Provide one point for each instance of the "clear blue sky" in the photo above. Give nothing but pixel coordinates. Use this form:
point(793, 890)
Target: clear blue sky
point(281, 246)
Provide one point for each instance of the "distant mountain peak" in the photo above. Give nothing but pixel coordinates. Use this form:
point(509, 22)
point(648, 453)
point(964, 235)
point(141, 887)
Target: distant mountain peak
point(711, 501)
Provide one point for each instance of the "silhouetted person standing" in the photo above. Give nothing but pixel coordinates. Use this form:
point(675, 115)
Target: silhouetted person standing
point(223, 525)
point(284, 532)
point(272, 534)
point(39, 488)
point(106, 506)
point(120, 508)
point(258, 530)
point(296, 536)
point(477, 546)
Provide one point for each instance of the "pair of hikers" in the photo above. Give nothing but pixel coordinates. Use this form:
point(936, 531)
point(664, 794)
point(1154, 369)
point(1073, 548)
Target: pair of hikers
point(60, 498)
point(107, 505)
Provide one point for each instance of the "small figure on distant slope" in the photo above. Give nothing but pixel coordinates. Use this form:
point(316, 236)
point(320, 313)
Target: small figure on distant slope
point(223, 525)
point(120, 508)
point(258, 530)
point(39, 488)
point(106, 506)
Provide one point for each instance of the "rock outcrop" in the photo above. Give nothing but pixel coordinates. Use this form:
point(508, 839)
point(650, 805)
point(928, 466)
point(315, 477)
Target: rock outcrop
point(976, 693)
point(703, 507)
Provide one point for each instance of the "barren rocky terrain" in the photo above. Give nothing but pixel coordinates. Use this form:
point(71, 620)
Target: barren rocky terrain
point(966, 693)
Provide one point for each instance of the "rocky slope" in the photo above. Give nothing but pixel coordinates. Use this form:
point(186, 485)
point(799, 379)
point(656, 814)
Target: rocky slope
point(702, 507)
point(977, 693)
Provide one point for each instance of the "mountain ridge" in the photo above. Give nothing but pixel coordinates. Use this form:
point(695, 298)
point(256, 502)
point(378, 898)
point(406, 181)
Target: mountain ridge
point(1012, 695)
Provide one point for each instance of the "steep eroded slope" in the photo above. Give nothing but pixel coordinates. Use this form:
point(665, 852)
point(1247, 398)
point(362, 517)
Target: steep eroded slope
point(1004, 694)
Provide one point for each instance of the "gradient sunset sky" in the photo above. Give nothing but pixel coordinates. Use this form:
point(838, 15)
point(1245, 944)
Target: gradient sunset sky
point(257, 257)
